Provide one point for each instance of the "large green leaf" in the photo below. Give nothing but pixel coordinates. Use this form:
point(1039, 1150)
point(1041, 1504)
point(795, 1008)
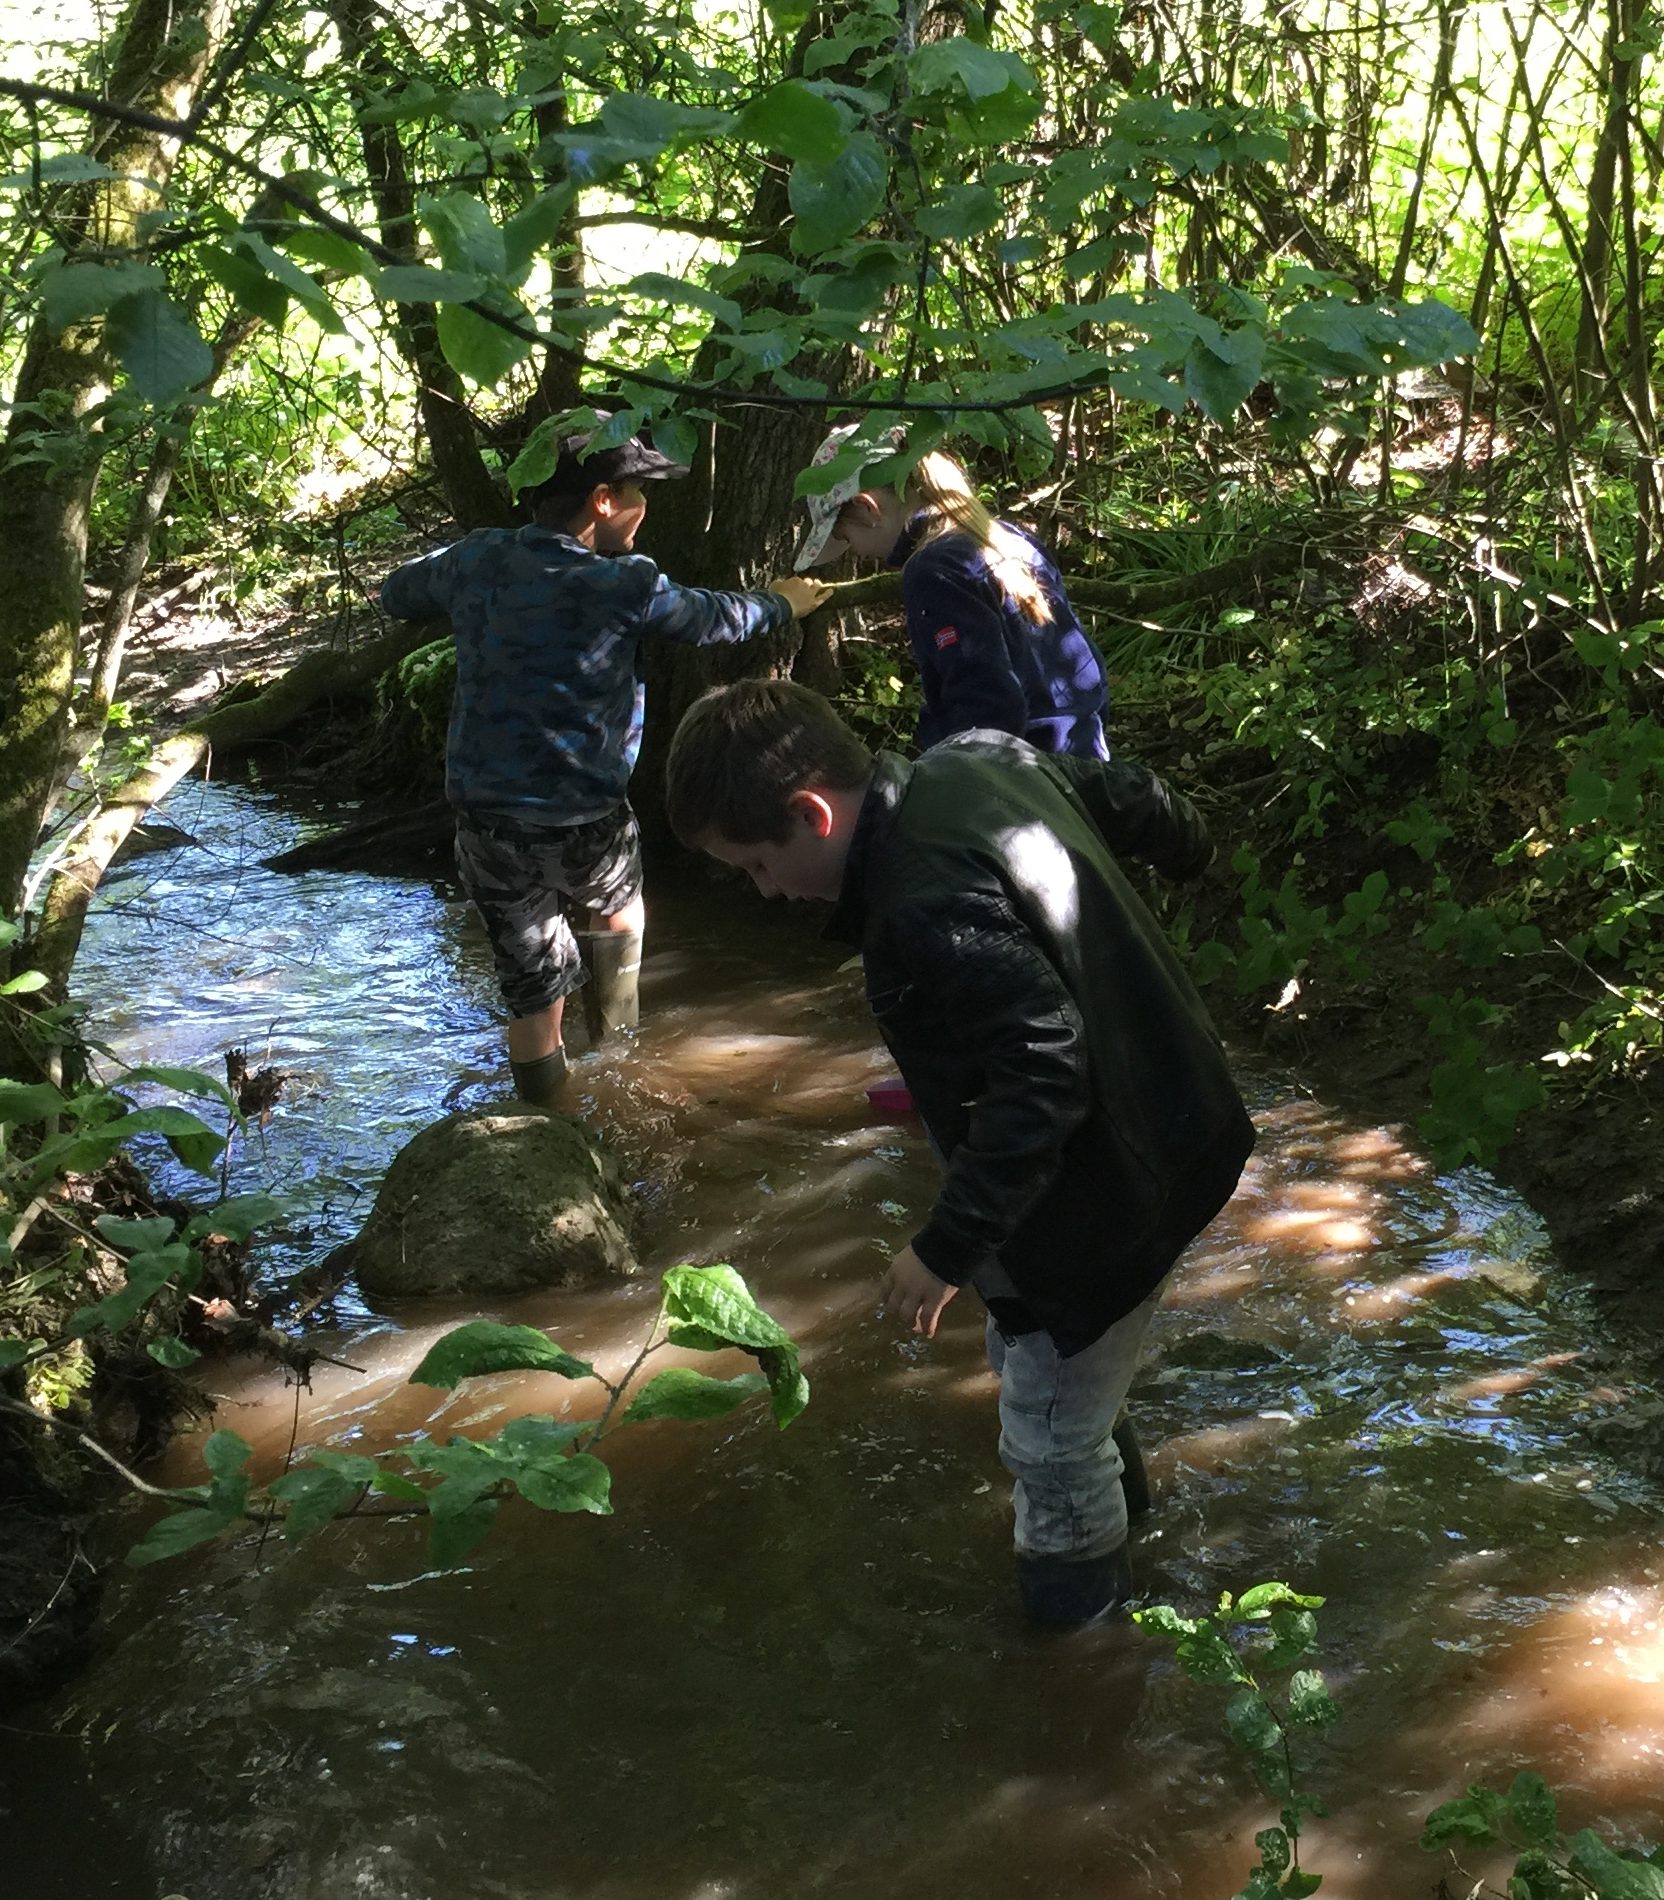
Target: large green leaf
point(677, 290)
point(577, 1482)
point(172, 1353)
point(958, 63)
point(186, 1081)
point(453, 1537)
point(69, 293)
point(1250, 1721)
point(961, 212)
point(681, 1392)
point(158, 346)
point(796, 121)
point(314, 1496)
point(14, 1351)
point(833, 201)
point(485, 1345)
point(185, 1529)
point(1309, 1702)
point(467, 239)
point(717, 1302)
point(136, 1236)
point(416, 283)
point(1220, 379)
point(1263, 1598)
point(300, 284)
point(535, 227)
point(1611, 1876)
point(29, 1102)
point(476, 347)
point(236, 1218)
point(147, 1274)
point(255, 289)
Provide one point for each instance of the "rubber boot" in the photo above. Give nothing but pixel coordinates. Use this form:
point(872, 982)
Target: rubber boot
point(1135, 1480)
point(612, 996)
point(1073, 1593)
point(542, 1083)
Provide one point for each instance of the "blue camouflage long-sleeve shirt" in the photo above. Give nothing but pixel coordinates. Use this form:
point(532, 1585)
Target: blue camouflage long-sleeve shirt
point(547, 719)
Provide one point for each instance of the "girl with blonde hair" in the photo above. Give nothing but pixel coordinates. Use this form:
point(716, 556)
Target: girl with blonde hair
point(996, 642)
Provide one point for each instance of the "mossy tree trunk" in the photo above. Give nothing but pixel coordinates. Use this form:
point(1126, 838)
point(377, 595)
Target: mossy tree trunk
point(52, 449)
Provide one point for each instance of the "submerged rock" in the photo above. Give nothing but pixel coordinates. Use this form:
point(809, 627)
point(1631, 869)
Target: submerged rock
point(496, 1200)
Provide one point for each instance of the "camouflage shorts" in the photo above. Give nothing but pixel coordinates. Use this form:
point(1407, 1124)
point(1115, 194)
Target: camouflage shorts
point(525, 880)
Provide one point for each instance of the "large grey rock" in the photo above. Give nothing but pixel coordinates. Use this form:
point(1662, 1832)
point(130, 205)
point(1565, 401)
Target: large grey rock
point(496, 1200)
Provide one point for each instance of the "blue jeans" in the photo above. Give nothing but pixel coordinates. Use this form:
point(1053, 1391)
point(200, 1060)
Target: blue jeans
point(1056, 1417)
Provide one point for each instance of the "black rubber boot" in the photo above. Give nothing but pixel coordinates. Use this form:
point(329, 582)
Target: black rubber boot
point(541, 1084)
point(1135, 1480)
point(612, 996)
point(1073, 1593)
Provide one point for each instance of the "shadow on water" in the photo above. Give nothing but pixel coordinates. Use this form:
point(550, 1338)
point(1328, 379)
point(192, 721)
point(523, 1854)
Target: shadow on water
point(790, 1662)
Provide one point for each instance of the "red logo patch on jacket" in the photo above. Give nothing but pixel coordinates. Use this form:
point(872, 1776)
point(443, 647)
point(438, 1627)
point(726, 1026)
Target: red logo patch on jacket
point(946, 637)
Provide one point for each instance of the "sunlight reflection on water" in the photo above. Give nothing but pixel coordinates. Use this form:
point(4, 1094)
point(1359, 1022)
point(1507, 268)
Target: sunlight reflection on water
point(790, 1662)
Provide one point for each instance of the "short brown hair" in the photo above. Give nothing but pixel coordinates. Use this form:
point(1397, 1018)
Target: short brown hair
point(742, 750)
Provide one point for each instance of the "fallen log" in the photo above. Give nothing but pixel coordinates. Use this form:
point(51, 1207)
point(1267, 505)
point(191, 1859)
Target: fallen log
point(374, 844)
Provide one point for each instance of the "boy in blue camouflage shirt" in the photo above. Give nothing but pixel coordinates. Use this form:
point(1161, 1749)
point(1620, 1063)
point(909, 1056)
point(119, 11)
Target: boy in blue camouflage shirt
point(547, 723)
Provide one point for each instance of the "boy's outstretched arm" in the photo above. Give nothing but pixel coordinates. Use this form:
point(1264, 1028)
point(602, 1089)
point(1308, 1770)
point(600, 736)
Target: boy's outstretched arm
point(420, 590)
point(703, 616)
point(1140, 815)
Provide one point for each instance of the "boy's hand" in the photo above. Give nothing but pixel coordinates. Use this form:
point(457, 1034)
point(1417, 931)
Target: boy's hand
point(913, 1294)
point(800, 593)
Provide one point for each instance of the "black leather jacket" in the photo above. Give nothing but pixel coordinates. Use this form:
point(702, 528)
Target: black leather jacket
point(1057, 1052)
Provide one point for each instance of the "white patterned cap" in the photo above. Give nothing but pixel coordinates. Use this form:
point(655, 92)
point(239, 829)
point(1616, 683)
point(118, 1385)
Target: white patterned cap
point(824, 509)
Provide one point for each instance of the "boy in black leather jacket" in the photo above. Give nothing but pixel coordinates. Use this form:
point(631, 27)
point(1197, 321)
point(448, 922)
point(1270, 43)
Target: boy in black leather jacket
point(1065, 1068)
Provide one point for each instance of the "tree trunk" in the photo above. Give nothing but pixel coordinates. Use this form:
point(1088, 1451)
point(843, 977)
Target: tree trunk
point(473, 496)
point(51, 453)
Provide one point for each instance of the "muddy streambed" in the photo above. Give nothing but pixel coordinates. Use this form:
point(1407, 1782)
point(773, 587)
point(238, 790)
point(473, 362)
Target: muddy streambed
point(790, 1662)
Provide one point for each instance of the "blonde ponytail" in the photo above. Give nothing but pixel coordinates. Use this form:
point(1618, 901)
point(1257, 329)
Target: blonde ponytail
point(941, 490)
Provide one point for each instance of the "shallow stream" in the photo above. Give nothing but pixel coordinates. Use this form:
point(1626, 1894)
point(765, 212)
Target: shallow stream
point(790, 1662)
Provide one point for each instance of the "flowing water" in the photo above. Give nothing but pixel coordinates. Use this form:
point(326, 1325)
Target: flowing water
point(790, 1663)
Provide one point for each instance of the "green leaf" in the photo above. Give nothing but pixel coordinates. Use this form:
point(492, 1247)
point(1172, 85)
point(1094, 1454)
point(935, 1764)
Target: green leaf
point(535, 227)
point(225, 1454)
point(171, 1535)
point(833, 201)
point(485, 1345)
point(147, 1274)
point(158, 346)
point(314, 1495)
point(462, 229)
point(577, 1482)
point(1206, 1656)
point(252, 287)
point(1475, 1816)
point(980, 72)
point(1219, 385)
point(1531, 1808)
point(416, 283)
point(676, 437)
point(1164, 1620)
point(451, 1538)
point(136, 1236)
point(394, 1484)
point(326, 248)
point(1299, 1883)
point(788, 1388)
point(172, 1353)
point(25, 985)
point(236, 1217)
point(195, 1143)
point(1275, 1852)
point(14, 1351)
point(476, 347)
point(717, 1301)
point(658, 288)
point(962, 211)
point(29, 1102)
point(1295, 1634)
point(185, 1081)
point(1251, 1724)
point(1309, 1702)
point(684, 1393)
point(797, 122)
point(1264, 1597)
point(70, 293)
point(1612, 1876)
point(60, 168)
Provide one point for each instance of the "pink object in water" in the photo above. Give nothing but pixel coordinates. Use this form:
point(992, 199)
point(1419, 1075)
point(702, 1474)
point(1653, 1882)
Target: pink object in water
point(891, 1096)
